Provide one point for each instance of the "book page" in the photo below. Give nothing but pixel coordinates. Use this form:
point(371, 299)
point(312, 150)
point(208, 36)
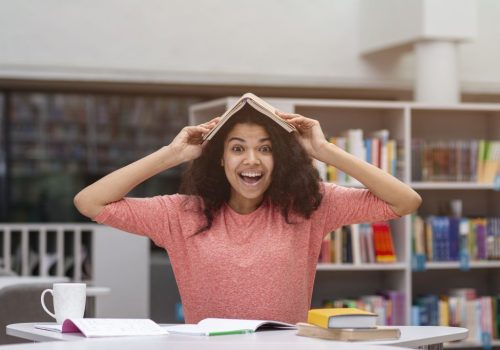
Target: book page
point(219, 326)
point(107, 327)
point(243, 324)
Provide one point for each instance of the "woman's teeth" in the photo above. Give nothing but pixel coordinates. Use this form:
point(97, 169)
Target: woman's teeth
point(251, 177)
point(251, 174)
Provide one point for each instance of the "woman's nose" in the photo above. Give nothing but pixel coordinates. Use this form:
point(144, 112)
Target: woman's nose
point(252, 158)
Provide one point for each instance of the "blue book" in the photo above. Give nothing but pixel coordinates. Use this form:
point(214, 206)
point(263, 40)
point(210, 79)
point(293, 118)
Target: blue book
point(454, 239)
point(368, 148)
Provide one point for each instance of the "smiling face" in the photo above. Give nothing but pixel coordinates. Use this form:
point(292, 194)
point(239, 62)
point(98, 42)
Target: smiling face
point(248, 165)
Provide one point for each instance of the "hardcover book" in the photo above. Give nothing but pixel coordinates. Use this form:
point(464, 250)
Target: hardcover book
point(258, 104)
point(348, 334)
point(342, 318)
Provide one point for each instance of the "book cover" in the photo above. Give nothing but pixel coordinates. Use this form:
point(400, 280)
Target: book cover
point(348, 334)
point(259, 105)
point(342, 318)
point(383, 243)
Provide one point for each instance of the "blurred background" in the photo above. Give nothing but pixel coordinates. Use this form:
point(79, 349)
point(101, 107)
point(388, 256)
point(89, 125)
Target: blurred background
point(88, 86)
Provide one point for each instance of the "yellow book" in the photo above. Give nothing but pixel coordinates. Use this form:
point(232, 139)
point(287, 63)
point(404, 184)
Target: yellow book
point(444, 319)
point(342, 318)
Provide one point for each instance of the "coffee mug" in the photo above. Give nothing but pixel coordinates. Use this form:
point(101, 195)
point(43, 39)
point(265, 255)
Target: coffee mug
point(69, 300)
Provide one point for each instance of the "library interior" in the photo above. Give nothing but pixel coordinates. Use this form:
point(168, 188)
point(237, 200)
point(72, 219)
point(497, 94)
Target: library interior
point(410, 87)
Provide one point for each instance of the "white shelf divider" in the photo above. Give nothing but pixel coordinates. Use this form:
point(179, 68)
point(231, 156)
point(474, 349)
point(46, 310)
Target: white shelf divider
point(361, 267)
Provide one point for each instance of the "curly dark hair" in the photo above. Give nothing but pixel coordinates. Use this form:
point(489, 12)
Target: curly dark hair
point(300, 192)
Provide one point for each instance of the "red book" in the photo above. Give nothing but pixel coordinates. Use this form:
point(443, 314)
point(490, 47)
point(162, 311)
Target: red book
point(383, 244)
point(325, 253)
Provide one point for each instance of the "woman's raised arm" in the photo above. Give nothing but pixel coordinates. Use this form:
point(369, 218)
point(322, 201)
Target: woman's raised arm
point(186, 146)
point(400, 197)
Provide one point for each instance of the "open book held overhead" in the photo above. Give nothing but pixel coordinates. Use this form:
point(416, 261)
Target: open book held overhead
point(256, 103)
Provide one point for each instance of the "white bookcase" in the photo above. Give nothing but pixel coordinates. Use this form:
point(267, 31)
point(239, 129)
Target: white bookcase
point(405, 121)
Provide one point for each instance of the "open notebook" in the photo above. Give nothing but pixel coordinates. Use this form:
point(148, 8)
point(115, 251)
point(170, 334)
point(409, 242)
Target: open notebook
point(223, 326)
point(106, 327)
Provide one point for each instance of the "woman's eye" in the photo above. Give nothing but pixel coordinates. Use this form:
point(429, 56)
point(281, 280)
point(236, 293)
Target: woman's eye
point(237, 149)
point(266, 149)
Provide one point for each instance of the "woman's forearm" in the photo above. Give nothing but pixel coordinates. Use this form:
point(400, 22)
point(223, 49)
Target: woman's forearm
point(114, 186)
point(400, 197)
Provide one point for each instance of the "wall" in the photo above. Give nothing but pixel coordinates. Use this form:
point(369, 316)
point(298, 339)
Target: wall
point(261, 42)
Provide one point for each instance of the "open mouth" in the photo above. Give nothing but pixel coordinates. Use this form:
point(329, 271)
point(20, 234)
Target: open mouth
point(251, 177)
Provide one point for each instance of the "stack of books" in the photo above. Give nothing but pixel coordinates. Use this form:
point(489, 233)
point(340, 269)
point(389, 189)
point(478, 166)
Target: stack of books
point(345, 324)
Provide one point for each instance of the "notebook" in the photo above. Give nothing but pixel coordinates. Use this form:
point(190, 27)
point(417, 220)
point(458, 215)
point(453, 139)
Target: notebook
point(106, 327)
point(225, 326)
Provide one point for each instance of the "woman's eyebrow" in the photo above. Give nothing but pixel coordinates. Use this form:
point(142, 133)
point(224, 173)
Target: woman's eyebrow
point(242, 140)
point(236, 139)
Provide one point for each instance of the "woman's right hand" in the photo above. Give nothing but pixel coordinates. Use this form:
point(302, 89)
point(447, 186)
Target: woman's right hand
point(188, 144)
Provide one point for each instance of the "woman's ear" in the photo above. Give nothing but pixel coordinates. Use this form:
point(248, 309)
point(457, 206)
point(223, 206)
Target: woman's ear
point(222, 162)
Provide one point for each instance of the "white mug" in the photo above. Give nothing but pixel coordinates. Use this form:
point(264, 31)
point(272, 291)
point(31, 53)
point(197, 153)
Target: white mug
point(69, 300)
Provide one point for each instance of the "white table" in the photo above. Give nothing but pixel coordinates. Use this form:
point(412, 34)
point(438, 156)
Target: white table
point(430, 337)
point(239, 342)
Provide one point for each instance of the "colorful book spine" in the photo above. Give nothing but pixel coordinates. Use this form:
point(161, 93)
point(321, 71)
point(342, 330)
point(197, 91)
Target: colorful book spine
point(363, 243)
point(441, 238)
point(460, 308)
point(388, 305)
point(470, 161)
point(377, 149)
point(384, 246)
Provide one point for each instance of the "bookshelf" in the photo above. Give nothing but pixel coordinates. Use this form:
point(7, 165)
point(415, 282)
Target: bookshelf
point(94, 133)
point(56, 143)
point(405, 121)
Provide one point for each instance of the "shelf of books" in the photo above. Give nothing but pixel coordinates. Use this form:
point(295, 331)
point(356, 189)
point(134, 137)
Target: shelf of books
point(59, 142)
point(451, 156)
point(96, 133)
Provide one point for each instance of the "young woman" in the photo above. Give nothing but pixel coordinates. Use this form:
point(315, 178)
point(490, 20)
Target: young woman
point(245, 236)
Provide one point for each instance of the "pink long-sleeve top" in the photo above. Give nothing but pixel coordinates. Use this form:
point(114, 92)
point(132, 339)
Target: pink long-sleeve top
point(253, 266)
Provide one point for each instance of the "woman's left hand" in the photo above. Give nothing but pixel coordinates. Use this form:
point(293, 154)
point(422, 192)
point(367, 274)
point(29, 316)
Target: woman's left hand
point(310, 134)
